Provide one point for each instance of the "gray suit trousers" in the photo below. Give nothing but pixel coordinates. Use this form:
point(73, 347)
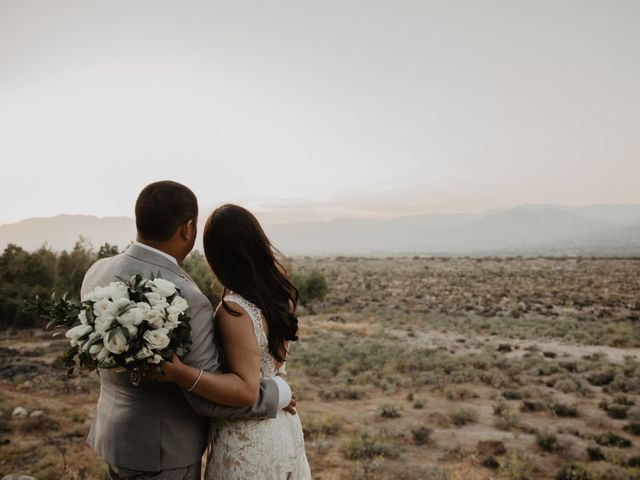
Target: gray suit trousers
point(191, 472)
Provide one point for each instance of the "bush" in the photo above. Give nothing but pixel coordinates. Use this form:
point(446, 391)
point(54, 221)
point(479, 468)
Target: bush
point(343, 393)
point(418, 403)
point(564, 410)
point(548, 442)
point(463, 416)
point(512, 395)
point(601, 378)
point(363, 445)
point(329, 425)
point(421, 434)
point(311, 287)
point(632, 428)
point(389, 411)
point(574, 471)
point(595, 454)
point(616, 411)
point(532, 406)
point(518, 465)
point(459, 392)
point(610, 439)
point(623, 400)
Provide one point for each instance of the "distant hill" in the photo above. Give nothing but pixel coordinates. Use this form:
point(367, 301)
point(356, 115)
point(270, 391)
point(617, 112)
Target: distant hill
point(525, 230)
point(61, 232)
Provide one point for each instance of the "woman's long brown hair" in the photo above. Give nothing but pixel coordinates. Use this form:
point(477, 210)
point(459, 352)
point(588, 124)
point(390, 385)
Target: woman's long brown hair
point(244, 261)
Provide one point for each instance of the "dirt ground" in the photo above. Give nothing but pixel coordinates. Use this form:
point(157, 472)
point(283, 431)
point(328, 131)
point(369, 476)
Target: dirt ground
point(412, 368)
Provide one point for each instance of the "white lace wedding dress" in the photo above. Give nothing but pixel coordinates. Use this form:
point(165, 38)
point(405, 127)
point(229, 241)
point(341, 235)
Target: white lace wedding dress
point(258, 449)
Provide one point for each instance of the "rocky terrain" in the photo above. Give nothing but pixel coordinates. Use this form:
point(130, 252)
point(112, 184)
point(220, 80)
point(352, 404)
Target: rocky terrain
point(411, 368)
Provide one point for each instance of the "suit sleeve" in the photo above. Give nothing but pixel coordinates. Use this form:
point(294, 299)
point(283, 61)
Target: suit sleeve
point(204, 354)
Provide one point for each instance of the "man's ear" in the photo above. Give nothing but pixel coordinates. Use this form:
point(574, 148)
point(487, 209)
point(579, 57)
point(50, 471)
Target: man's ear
point(188, 230)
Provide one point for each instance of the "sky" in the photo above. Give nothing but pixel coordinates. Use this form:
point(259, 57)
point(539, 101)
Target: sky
point(315, 110)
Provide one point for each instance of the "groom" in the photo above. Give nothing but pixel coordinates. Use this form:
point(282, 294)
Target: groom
point(156, 430)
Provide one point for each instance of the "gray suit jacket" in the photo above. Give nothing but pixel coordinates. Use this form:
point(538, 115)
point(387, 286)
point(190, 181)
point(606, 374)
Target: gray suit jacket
point(159, 426)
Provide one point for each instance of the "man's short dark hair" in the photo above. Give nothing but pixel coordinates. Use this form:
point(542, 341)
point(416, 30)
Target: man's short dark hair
point(162, 207)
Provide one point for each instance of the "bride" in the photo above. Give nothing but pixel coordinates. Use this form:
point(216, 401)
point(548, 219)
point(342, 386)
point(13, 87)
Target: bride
point(254, 323)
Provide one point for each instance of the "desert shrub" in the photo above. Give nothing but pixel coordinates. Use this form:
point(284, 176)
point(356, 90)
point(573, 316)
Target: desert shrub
point(389, 411)
point(507, 421)
point(623, 400)
point(610, 439)
point(568, 385)
point(512, 395)
point(329, 425)
point(434, 472)
point(632, 428)
point(464, 375)
point(532, 406)
point(311, 287)
point(459, 392)
point(625, 383)
point(574, 471)
point(518, 465)
point(595, 454)
point(601, 377)
point(634, 461)
point(616, 411)
point(564, 410)
point(421, 434)
point(548, 442)
point(463, 416)
point(343, 393)
point(365, 445)
point(548, 368)
point(418, 403)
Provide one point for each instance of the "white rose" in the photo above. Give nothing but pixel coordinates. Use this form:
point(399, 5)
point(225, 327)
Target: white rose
point(76, 333)
point(97, 294)
point(155, 317)
point(133, 330)
point(104, 323)
point(180, 304)
point(102, 307)
point(156, 300)
point(90, 340)
point(117, 291)
point(143, 306)
point(95, 349)
point(163, 287)
point(103, 354)
point(144, 353)
point(107, 307)
point(116, 342)
point(129, 359)
point(82, 316)
point(172, 315)
point(157, 339)
point(156, 359)
point(133, 316)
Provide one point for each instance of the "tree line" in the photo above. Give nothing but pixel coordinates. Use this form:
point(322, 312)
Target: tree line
point(24, 274)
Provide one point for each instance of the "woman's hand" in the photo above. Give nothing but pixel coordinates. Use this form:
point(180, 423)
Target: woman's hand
point(171, 371)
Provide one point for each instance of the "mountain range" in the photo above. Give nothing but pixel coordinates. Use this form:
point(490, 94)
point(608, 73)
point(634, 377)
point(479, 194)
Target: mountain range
point(525, 230)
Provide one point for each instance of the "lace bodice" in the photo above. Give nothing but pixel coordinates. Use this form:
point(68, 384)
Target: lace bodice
point(267, 362)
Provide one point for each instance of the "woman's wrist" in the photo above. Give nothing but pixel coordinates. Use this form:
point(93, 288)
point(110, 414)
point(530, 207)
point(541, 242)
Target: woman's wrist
point(185, 375)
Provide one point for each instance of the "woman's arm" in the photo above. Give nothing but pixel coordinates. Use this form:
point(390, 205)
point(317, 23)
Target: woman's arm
point(241, 386)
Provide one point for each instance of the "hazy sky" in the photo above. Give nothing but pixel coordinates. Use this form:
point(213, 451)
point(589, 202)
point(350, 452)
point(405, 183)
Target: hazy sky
point(317, 109)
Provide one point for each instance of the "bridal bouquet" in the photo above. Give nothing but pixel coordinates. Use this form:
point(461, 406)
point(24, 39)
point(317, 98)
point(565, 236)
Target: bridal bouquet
point(130, 324)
